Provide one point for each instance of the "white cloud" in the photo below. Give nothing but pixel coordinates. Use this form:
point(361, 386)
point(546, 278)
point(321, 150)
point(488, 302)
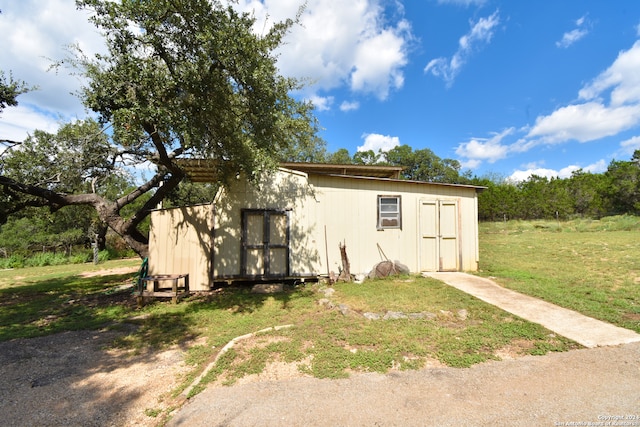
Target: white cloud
point(606, 106)
point(35, 33)
point(482, 149)
point(597, 167)
point(570, 37)
point(622, 77)
point(322, 103)
point(584, 122)
point(377, 142)
point(594, 118)
point(349, 106)
point(17, 122)
point(566, 172)
point(340, 43)
point(629, 146)
point(480, 34)
point(378, 62)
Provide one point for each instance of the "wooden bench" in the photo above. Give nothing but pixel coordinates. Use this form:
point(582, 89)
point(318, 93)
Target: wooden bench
point(156, 286)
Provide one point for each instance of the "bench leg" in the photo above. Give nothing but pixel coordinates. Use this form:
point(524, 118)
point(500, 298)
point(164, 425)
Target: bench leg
point(174, 288)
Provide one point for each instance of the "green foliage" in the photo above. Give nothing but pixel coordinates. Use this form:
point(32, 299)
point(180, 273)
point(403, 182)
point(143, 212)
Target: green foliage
point(584, 194)
point(424, 165)
point(194, 76)
point(46, 258)
point(43, 259)
point(10, 89)
point(191, 193)
point(180, 79)
point(77, 159)
point(419, 165)
point(340, 157)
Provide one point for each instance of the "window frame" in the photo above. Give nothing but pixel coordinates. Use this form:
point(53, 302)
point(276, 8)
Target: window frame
point(380, 212)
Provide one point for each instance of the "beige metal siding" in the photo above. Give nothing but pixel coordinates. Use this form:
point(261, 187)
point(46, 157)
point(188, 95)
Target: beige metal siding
point(280, 191)
point(180, 242)
point(439, 228)
point(348, 209)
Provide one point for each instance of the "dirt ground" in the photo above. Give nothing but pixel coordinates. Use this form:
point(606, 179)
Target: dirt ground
point(586, 387)
point(75, 379)
point(79, 379)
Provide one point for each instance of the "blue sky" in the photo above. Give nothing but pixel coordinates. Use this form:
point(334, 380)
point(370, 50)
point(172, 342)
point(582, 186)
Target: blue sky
point(505, 87)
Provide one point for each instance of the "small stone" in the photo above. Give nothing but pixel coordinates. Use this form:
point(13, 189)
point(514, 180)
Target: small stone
point(326, 302)
point(371, 316)
point(463, 314)
point(415, 316)
point(394, 315)
point(344, 309)
point(328, 292)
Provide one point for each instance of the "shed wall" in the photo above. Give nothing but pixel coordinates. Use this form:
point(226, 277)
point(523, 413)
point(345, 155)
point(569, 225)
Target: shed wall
point(348, 209)
point(180, 242)
point(282, 191)
point(323, 211)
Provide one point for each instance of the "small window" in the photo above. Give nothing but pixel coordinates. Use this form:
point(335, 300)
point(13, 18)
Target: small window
point(389, 212)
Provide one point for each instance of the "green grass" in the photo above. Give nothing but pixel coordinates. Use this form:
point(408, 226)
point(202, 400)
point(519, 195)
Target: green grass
point(589, 266)
point(328, 344)
point(45, 300)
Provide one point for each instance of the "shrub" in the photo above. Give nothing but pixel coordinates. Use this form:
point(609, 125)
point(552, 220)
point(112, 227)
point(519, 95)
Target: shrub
point(105, 255)
point(80, 258)
point(46, 258)
point(14, 261)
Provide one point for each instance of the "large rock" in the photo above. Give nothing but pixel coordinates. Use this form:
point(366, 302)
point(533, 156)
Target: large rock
point(388, 268)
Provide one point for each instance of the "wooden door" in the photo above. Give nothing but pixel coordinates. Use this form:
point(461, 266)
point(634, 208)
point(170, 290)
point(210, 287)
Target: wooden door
point(265, 243)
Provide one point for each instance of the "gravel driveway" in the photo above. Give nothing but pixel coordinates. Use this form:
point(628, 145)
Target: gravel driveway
point(75, 379)
point(580, 387)
point(71, 379)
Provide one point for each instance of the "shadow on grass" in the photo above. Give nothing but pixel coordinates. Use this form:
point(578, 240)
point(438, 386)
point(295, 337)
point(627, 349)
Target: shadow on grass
point(221, 316)
point(73, 323)
point(62, 304)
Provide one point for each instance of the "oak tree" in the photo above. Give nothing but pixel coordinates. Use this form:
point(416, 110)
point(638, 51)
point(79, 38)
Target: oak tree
point(180, 79)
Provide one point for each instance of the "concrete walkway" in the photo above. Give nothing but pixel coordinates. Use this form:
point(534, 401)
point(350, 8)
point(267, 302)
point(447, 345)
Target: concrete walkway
point(570, 324)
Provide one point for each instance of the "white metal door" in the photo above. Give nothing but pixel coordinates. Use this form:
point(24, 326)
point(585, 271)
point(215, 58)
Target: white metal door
point(438, 228)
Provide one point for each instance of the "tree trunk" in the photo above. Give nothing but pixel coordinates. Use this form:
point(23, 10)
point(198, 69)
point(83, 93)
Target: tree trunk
point(101, 235)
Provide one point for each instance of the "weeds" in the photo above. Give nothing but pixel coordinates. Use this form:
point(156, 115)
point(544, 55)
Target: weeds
point(594, 272)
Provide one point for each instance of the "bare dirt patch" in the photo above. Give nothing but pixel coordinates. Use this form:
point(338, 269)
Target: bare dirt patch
point(77, 378)
point(109, 272)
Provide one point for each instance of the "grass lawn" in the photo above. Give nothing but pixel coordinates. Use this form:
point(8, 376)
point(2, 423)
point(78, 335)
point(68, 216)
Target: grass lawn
point(592, 267)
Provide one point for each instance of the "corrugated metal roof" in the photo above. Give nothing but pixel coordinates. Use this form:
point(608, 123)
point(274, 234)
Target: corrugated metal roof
point(201, 170)
point(371, 171)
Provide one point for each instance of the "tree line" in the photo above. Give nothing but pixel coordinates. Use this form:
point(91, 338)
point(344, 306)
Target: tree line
point(192, 79)
point(583, 194)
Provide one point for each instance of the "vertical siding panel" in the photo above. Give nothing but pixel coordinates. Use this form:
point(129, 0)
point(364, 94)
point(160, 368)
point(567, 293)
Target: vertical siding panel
point(180, 238)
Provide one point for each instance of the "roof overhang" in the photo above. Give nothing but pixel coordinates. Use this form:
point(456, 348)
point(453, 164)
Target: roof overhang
point(203, 170)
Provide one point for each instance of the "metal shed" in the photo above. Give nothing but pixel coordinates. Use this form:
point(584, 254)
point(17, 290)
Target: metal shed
point(290, 225)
